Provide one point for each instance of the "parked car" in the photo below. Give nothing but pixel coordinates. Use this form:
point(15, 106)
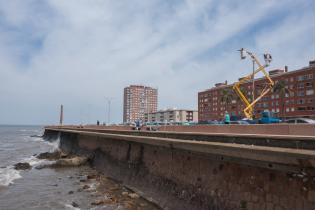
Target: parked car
point(300, 120)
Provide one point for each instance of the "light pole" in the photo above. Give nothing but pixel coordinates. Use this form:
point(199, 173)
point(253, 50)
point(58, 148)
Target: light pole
point(253, 88)
point(108, 110)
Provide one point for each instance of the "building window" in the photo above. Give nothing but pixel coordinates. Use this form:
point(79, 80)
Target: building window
point(300, 86)
point(310, 100)
point(300, 101)
point(309, 85)
point(292, 109)
point(309, 92)
point(287, 109)
point(310, 108)
point(305, 77)
point(300, 93)
point(301, 108)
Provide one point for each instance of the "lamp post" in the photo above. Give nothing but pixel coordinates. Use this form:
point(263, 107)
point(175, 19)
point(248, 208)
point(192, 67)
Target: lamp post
point(108, 110)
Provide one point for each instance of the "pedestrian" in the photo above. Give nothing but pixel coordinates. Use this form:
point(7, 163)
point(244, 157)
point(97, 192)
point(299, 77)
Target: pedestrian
point(97, 123)
point(138, 125)
point(227, 118)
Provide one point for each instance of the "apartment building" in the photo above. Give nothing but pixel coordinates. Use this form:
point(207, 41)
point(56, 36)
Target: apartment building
point(298, 99)
point(138, 100)
point(172, 116)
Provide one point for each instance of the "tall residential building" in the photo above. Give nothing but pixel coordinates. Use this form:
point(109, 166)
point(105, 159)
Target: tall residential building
point(139, 100)
point(297, 100)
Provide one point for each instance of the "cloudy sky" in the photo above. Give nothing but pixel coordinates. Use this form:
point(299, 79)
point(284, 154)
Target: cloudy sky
point(80, 52)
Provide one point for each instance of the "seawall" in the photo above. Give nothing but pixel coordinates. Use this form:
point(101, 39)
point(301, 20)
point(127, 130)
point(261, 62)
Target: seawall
point(180, 171)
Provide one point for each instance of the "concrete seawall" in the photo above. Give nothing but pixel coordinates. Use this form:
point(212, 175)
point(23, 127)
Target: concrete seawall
point(182, 172)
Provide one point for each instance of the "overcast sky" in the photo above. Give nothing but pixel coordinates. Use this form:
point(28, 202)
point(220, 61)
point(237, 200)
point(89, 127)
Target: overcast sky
point(78, 52)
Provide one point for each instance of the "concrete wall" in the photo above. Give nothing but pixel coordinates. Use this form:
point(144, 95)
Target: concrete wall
point(274, 129)
point(179, 179)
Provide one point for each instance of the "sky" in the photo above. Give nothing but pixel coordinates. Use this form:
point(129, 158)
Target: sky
point(79, 53)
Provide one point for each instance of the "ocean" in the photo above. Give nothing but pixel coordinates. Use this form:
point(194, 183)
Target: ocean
point(53, 188)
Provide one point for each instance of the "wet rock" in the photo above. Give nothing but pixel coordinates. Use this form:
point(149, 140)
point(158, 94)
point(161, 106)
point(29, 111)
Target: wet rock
point(74, 204)
point(75, 161)
point(49, 155)
point(97, 202)
point(133, 195)
point(22, 166)
point(91, 176)
point(83, 178)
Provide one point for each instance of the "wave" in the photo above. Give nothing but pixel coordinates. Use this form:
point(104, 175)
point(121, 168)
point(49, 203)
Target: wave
point(34, 161)
point(55, 144)
point(70, 207)
point(8, 175)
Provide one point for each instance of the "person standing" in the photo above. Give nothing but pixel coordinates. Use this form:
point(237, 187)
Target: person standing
point(227, 118)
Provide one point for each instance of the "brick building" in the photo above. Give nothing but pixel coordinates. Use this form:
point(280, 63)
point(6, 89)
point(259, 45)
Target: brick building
point(172, 115)
point(138, 100)
point(297, 101)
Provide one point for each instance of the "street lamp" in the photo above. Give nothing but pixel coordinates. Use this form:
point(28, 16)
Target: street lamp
point(108, 111)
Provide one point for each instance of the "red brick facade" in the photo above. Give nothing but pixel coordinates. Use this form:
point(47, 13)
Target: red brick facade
point(299, 102)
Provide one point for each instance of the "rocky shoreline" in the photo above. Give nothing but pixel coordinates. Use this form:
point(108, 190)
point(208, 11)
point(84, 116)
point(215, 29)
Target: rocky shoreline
point(105, 193)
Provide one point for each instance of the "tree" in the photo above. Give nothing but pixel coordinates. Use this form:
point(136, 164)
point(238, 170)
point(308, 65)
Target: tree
point(227, 96)
point(281, 88)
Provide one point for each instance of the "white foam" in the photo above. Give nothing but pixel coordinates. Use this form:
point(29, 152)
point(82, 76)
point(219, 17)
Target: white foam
point(68, 206)
point(34, 161)
point(8, 175)
point(55, 145)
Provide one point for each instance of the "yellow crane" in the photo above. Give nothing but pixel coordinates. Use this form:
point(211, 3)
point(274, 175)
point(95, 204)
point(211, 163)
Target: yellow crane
point(249, 104)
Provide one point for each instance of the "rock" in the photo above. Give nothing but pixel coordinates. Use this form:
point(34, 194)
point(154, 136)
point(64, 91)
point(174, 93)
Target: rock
point(91, 176)
point(70, 192)
point(74, 204)
point(97, 202)
point(54, 185)
point(124, 193)
point(22, 166)
point(85, 187)
point(63, 155)
point(133, 195)
point(75, 161)
point(49, 155)
point(83, 178)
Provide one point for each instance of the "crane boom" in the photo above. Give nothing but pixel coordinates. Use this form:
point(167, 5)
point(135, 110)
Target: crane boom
point(249, 105)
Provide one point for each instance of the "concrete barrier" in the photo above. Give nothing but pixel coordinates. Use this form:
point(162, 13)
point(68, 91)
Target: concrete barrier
point(273, 129)
point(185, 174)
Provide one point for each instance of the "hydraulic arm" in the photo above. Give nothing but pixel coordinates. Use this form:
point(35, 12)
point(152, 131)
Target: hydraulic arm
point(249, 104)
